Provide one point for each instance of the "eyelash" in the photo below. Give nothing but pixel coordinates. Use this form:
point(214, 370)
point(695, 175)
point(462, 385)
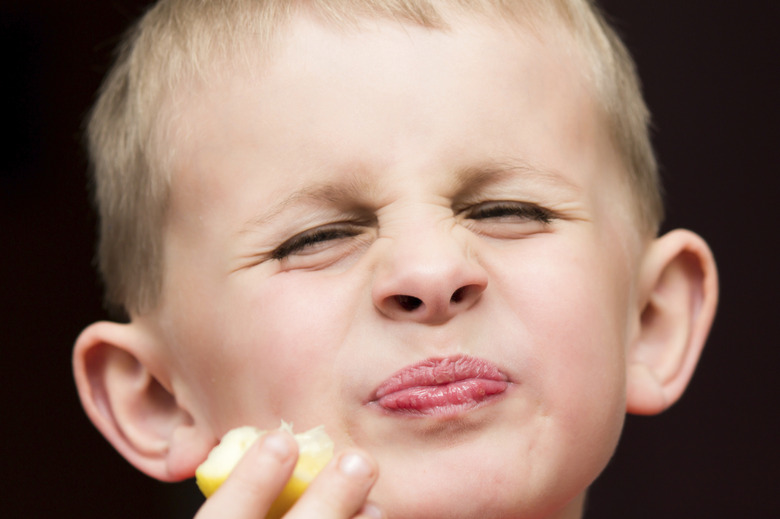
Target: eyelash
point(504, 209)
point(481, 211)
point(311, 237)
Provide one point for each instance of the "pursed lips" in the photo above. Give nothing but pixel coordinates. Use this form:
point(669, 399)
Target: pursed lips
point(441, 386)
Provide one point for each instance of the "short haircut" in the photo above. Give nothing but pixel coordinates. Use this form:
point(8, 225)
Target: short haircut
point(178, 40)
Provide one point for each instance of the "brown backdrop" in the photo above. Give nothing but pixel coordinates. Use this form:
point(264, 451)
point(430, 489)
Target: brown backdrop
point(707, 67)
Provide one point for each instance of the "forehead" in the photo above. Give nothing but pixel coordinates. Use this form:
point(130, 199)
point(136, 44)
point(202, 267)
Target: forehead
point(387, 96)
point(312, 66)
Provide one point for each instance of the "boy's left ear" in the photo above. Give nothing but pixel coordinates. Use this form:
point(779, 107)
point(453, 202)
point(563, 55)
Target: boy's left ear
point(678, 294)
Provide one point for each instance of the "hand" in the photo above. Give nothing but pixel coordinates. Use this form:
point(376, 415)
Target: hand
point(338, 492)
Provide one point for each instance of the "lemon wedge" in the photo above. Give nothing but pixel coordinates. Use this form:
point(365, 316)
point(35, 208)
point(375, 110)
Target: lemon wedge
point(315, 450)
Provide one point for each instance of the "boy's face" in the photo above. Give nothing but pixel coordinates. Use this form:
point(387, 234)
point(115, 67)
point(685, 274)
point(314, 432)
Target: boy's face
point(376, 198)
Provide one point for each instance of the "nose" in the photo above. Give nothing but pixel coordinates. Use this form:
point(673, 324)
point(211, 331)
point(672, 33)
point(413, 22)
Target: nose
point(427, 277)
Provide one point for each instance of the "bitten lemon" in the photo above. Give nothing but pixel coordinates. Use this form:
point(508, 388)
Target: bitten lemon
point(315, 450)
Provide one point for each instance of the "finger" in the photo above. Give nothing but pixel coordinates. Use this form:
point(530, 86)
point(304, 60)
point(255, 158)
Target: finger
point(256, 481)
point(370, 511)
point(341, 489)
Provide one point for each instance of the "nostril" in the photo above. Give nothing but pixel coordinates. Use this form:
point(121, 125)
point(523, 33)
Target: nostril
point(458, 295)
point(408, 303)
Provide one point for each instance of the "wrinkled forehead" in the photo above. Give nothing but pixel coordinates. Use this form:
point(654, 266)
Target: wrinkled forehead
point(395, 82)
point(189, 46)
point(253, 57)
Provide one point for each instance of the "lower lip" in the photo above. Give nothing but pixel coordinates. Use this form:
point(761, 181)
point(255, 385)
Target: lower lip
point(443, 400)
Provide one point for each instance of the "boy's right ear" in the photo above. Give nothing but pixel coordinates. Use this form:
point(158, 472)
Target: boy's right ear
point(125, 388)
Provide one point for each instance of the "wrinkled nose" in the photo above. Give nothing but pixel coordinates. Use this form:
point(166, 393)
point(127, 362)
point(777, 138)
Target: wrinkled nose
point(427, 277)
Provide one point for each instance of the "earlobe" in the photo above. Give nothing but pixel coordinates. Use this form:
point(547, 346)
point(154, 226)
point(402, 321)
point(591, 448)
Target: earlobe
point(128, 397)
point(678, 293)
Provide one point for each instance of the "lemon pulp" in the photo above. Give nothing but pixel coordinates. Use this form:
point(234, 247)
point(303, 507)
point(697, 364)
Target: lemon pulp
point(315, 450)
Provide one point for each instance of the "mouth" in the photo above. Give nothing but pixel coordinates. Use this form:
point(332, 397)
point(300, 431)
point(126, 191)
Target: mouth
point(441, 387)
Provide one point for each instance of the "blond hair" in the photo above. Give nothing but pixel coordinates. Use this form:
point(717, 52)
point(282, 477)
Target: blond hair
point(178, 40)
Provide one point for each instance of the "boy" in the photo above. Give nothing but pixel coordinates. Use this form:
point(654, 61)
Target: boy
point(430, 226)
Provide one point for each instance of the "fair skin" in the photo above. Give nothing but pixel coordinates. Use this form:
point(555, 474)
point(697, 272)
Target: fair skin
point(375, 198)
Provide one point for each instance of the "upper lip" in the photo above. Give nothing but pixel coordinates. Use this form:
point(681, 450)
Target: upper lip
point(439, 371)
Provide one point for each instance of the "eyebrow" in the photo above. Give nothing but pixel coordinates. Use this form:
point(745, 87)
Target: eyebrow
point(354, 192)
point(476, 177)
point(344, 194)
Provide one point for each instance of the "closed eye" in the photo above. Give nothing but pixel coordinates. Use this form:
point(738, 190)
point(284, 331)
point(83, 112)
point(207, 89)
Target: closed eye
point(309, 239)
point(509, 211)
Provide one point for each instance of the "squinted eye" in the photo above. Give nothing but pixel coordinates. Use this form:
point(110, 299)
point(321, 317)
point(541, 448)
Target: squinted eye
point(302, 243)
point(509, 211)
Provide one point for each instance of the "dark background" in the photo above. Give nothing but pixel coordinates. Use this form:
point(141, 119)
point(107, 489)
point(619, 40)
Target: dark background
point(708, 68)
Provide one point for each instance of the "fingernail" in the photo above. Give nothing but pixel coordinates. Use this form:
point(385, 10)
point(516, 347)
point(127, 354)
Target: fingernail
point(354, 465)
point(371, 510)
point(276, 444)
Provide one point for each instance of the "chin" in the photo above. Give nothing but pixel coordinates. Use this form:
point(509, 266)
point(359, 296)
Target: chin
point(466, 482)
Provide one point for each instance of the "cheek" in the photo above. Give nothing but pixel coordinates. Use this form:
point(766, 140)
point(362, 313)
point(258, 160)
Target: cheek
point(572, 303)
point(279, 343)
point(299, 314)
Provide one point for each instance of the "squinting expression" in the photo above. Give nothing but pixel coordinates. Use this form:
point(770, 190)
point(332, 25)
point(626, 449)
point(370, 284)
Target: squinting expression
point(419, 239)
